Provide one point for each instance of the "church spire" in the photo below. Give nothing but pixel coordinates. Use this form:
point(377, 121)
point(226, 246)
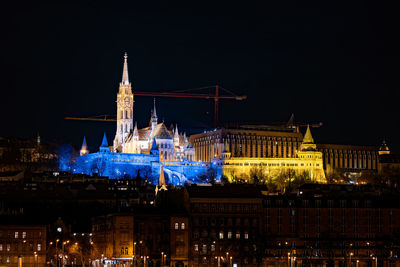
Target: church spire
point(84, 149)
point(104, 144)
point(308, 141)
point(176, 136)
point(161, 179)
point(135, 130)
point(154, 115)
point(125, 77)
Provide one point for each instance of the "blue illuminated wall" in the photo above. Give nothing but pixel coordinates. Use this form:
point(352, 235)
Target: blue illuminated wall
point(147, 166)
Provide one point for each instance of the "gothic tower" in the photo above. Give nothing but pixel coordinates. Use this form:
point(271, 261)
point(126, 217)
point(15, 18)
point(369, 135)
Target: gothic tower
point(124, 109)
point(154, 119)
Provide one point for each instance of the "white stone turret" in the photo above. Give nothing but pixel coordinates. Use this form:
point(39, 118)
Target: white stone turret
point(124, 108)
point(154, 118)
point(176, 136)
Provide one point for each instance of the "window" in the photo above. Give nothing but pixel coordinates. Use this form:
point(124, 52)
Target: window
point(246, 235)
point(39, 247)
point(237, 235)
point(23, 234)
point(8, 259)
point(204, 248)
point(176, 226)
point(16, 234)
point(8, 247)
point(1, 247)
point(122, 251)
point(196, 247)
point(126, 251)
point(212, 247)
point(183, 226)
point(221, 235)
point(229, 235)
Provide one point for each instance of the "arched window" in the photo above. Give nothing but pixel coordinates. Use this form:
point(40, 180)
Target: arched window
point(176, 226)
point(121, 114)
point(126, 251)
point(183, 226)
point(126, 114)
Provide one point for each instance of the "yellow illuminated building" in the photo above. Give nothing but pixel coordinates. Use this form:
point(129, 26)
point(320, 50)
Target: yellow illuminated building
point(307, 161)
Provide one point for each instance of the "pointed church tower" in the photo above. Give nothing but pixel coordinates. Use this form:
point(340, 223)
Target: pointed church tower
point(135, 133)
point(162, 186)
point(124, 108)
point(154, 149)
point(308, 141)
point(176, 136)
point(153, 119)
point(104, 144)
point(310, 158)
point(84, 149)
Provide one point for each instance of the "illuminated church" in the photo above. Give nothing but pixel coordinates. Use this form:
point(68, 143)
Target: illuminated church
point(172, 146)
point(142, 152)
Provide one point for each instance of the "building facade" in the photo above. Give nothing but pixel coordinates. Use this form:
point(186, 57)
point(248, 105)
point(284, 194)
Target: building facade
point(22, 244)
point(306, 160)
point(248, 142)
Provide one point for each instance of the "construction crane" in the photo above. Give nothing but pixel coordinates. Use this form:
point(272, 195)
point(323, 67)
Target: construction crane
point(181, 94)
point(94, 118)
point(185, 94)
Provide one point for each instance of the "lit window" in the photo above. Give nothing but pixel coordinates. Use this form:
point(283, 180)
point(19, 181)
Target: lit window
point(196, 247)
point(237, 235)
point(183, 226)
point(8, 259)
point(8, 247)
point(16, 234)
point(221, 235)
point(246, 236)
point(212, 247)
point(23, 234)
point(204, 248)
point(229, 235)
point(176, 226)
point(1, 247)
point(39, 247)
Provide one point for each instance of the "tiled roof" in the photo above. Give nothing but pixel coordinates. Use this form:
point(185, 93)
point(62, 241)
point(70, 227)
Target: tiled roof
point(161, 132)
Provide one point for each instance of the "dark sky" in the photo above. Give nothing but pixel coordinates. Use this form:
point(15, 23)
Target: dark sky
point(326, 61)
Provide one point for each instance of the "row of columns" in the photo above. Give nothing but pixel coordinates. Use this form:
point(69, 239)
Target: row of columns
point(245, 147)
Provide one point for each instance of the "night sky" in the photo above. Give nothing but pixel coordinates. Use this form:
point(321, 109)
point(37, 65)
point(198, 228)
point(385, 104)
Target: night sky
point(324, 61)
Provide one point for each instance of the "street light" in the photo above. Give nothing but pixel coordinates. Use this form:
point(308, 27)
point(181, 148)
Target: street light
point(57, 251)
point(351, 254)
point(34, 253)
